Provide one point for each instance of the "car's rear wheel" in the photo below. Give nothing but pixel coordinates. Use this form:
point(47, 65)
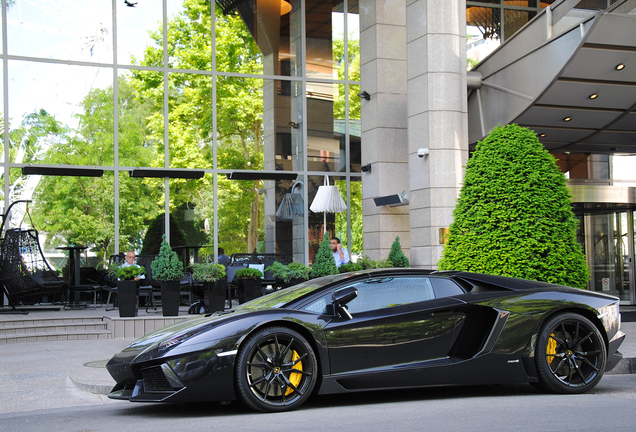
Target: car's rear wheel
point(570, 354)
point(276, 370)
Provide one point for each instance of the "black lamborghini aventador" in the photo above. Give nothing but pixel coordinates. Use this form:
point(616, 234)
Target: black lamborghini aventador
point(375, 330)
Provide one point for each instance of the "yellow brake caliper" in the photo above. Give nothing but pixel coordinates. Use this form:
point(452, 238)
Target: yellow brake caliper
point(295, 377)
point(551, 349)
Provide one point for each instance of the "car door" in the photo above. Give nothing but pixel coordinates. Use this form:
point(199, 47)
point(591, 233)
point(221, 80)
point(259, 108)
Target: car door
point(397, 324)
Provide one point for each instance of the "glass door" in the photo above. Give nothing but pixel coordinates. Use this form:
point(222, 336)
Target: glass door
point(609, 247)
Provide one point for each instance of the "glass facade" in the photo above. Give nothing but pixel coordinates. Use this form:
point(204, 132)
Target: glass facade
point(222, 87)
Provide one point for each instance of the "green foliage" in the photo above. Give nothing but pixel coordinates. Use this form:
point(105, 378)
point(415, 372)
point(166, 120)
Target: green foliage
point(289, 272)
point(153, 240)
point(396, 256)
point(356, 216)
point(324, 263)
point(130, 272)
point(249, 273)
point(369, 264)
point(166, 266)
point(207, 272)
point(514, 215)
point(350, 267)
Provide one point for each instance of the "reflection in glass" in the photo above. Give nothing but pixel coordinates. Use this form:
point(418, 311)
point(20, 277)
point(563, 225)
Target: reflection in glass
point(67, 30)
point(284, 227)
point(141, 121)
point(63, 107)
point(190, 121)
point(316, 220)
point(355, 129)
point(353, 40)
point(137, 28)
point(325, 38)
point(483, 33)
point(259, 36)
point(85, 216)
point(190, 34)
point(514, 20)
point(326, 127)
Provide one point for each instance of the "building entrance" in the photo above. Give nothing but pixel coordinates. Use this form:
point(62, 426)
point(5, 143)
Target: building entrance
point(608, 241)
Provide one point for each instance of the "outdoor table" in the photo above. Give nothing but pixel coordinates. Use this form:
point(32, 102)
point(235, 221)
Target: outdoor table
point(73, 266)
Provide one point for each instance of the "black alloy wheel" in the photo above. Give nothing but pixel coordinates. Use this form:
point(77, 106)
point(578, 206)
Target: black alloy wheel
point(570, 354)
point(276, 370)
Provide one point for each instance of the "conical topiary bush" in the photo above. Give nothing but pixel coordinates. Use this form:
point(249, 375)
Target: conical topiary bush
point(325, 264)
point(396, 256)
point(514, 215)
point(153, 237)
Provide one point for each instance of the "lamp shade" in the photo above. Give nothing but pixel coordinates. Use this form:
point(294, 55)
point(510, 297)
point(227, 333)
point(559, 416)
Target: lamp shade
point(328, 199)
point(292, 205)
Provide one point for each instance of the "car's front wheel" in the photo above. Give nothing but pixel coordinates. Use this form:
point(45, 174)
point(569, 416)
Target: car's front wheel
point(570, 354)
point(276, 370)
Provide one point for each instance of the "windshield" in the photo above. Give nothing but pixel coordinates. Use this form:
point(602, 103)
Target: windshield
point(287, 295)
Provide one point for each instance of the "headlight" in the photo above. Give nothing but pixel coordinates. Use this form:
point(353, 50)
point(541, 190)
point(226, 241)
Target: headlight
point(167, 344)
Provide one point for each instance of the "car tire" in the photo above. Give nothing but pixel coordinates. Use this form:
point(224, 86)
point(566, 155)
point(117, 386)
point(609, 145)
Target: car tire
point(570, 354)
point(276, 370)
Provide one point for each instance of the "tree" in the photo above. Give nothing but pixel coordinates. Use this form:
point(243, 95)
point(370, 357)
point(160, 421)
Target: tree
point(514, 215)
point(324, 264)
point(156, 234)
point(396, 256)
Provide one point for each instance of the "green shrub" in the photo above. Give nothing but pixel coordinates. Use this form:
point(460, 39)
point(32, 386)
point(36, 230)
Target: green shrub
point(350, 267)
point(154, 235)
point(514, 215)
point(396, 256)
point(369, 264)
point(166, 266)
point(249, 273)
point(324, 264)
point(129, 272)
point(289, 272)
point(207, 272)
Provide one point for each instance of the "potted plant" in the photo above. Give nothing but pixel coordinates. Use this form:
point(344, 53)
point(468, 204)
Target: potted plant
point(212, 277)
point(290, 274)
point(350, 267)
point(249, 284)
point(128, 289)
point(168, 270)
point(396, 256)
point(324, 263)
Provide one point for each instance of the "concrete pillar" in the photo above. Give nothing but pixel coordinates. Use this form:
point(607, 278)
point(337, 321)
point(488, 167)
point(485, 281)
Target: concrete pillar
point(437, 120)
point(384, 122)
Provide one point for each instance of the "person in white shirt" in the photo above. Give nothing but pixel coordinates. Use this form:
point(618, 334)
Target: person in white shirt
point(130, 260)
point(340, 254)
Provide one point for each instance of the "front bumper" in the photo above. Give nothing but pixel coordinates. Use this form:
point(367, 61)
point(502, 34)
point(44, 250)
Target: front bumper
point(196, 377)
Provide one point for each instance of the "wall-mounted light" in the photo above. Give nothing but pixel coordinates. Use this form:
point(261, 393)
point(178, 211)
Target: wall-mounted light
point(366, 168)
point(567, 119)
point(593, 96)
point(292, 124)
point(163, 173)
point(61, 171)
point(364, 95)
point(421, 152)
point(620, 67)
point(542, 136)
point(260, 176)
point(392, 200)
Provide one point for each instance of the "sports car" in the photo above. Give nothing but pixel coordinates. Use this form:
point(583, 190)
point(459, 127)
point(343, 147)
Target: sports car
point(373, 330)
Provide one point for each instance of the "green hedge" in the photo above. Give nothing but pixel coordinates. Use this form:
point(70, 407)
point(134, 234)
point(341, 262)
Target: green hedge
point(514, 214)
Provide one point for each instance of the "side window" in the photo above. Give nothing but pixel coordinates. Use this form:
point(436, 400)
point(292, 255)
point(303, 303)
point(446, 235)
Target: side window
point(444, 287)
point(388, 292)
point(318, 306)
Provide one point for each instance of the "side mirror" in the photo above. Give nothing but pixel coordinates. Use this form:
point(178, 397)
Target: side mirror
point(341, 297)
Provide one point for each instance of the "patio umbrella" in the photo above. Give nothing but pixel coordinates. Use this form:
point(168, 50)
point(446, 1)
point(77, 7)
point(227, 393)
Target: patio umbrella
point(291, 205)
point(327, 200)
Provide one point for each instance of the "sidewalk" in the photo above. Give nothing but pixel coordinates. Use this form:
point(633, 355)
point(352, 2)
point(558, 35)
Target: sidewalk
point(45, 375)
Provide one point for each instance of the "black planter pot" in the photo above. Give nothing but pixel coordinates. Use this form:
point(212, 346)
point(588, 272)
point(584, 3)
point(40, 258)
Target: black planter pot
point(128, 298)
point(170, 300)
point(248, 289)
point(215, 295)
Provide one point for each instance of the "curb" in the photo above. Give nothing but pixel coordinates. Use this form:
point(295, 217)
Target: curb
point(98, 388)
point(625, 366)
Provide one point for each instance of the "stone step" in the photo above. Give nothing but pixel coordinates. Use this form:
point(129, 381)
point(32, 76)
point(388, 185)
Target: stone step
point(49, 321)
point(51, 328)
point(57, 336)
